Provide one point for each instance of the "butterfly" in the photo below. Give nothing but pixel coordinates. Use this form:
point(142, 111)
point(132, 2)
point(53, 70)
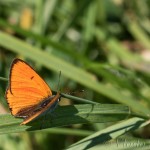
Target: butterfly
point(27, 94)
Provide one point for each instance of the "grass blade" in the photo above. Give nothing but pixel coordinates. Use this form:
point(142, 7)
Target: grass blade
point(67, 115)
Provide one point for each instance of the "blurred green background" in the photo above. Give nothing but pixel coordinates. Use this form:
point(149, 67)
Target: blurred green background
point(100, 46)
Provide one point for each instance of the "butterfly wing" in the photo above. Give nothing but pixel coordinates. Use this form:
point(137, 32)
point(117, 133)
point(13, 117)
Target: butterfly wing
point(26, 88)
point(47, 104)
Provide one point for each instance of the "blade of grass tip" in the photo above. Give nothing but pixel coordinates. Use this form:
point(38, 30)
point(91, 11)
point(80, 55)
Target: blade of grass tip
point(78, 99)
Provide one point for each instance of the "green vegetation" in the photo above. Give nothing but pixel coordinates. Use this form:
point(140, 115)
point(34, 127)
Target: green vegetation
point(101, 47)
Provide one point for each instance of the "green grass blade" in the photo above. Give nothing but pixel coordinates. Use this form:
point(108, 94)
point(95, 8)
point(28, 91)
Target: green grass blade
point(67, 115)
point(109, 133)
point(75, 73)
point(125, 143)
point(68, 131)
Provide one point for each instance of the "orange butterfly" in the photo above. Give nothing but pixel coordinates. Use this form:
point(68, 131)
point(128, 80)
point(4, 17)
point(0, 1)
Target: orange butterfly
point(28, 95)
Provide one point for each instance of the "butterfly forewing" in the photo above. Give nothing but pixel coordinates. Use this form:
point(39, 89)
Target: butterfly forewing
point(26, 88)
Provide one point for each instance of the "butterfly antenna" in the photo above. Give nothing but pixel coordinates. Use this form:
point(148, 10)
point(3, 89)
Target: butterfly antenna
point(58, 86)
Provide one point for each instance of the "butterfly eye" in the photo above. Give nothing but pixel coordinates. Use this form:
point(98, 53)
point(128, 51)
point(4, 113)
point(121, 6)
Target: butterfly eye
point(43, 104)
